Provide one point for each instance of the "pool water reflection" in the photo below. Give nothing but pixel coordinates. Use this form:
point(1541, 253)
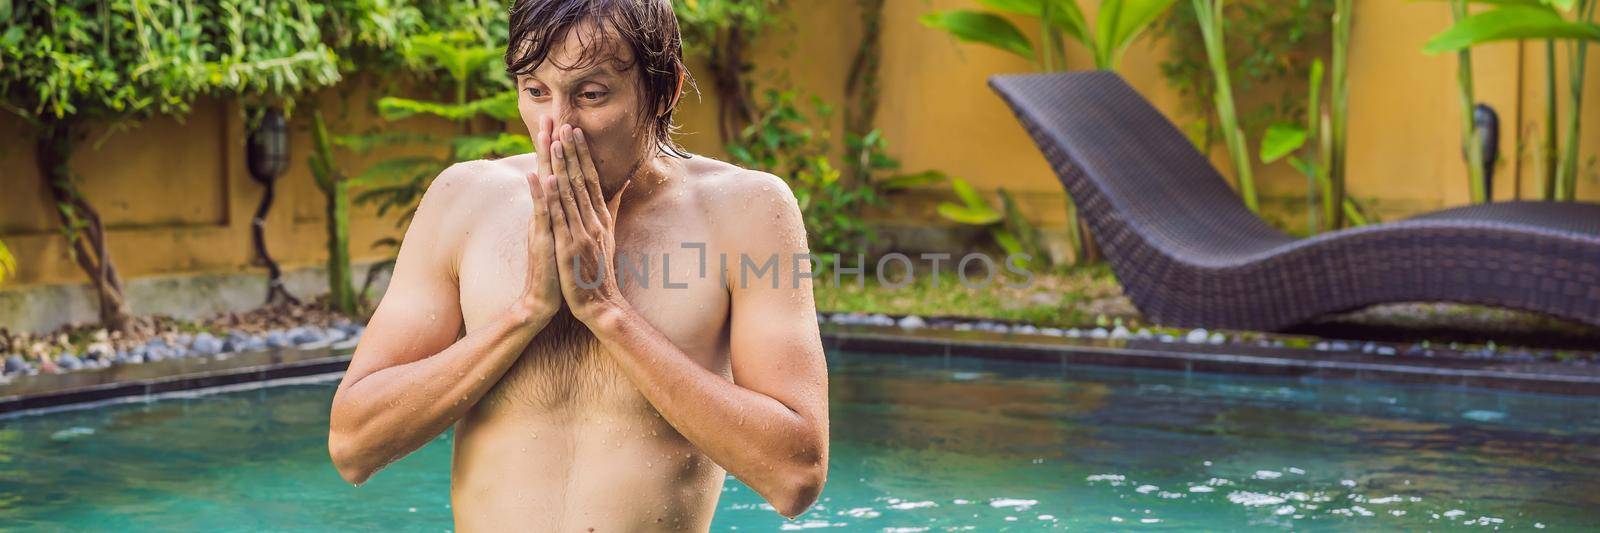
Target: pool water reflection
point(920, 444)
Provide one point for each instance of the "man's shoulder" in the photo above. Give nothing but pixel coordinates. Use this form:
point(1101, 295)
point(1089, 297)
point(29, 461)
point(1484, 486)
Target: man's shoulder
point(482, 177)
point(731, 190)
point(465, 185)
point(749, 207)
point(461, 196)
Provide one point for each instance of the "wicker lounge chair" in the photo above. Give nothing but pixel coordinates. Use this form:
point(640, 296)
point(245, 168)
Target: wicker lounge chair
point(1188, 252)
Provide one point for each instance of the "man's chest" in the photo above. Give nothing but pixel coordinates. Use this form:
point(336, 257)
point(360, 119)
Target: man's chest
point(667, 268)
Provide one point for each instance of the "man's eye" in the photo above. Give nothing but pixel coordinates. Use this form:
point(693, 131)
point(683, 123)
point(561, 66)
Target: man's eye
point(592, 95)
point(534, 92)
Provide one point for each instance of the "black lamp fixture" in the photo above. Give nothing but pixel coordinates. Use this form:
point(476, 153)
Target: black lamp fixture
point(267, 150)
point(267, 155)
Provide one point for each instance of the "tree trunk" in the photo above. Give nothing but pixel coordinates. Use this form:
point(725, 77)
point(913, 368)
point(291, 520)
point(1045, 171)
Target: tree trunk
point(727, 72)
point(861, 87)
point(81, 222)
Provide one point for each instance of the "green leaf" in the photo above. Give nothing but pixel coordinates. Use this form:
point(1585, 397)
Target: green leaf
point(906, 181)
point(982, 28)
point(1007, 241)
point(1031, 8)
point(502, 106)
point(976, 216)
point(1119, 23)
point(395, 108)
point(1281, 140)
point(1564, 5)
point(471, 147)
point(1065, 14)
point(968, 194)
point(1021, 230)
point(1303, 166)
point(1510, 22)
point(8, 263)
point(361, 144)
point(400, 169)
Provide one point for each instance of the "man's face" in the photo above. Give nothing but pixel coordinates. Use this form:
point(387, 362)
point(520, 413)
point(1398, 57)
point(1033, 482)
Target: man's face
point(601, 99)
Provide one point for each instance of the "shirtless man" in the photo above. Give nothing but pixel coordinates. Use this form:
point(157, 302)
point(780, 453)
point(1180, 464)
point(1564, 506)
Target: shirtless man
point(582, 406)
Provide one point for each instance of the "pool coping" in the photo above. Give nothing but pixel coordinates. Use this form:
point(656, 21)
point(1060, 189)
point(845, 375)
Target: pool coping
point(1487, 373)
point(50, 392)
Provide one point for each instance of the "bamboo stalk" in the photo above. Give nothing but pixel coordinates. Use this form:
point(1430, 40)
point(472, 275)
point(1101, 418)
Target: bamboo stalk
point(1577, 64)
point(1209, 14)
point(1474, 151)
point(1338, 125)
point(1551, 156)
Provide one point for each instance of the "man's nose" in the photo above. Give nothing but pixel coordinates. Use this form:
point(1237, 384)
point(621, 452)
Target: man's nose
point(564, 113)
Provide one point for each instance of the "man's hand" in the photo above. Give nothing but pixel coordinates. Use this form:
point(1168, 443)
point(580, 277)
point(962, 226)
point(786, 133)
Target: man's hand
point(585, 228)
point(543, 290)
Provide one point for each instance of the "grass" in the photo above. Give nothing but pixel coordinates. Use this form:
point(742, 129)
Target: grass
point(1089, 296)
point(1077, 296)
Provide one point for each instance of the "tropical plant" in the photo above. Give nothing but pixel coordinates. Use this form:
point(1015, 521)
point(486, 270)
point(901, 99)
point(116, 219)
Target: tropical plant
point(1270, 46)
point(365, 35)
point(862, 98)
point(478, 100)
point(1321, 161)
point(1006, 225)
point(1477, 184)
point(1119, 23)
point(68, 64)
point(1533, 19)
point(334, 185)
point(786, 142)
point(721, 32)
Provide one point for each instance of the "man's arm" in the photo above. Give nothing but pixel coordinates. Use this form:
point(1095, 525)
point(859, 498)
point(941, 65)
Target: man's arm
point(410, 378)
point(769, 426)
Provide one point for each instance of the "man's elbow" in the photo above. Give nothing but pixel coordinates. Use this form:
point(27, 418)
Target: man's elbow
point(802, 488)
point(347, 459)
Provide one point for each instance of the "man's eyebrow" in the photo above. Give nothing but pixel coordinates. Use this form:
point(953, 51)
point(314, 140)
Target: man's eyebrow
point(596, 70)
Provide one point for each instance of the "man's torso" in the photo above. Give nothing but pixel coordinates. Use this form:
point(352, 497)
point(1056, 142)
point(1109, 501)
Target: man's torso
point(565, 442)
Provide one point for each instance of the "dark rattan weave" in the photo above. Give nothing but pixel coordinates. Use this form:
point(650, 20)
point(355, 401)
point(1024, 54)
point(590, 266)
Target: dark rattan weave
point(1188, 252)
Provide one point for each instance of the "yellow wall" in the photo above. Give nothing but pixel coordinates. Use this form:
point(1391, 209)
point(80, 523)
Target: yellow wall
point(178, 198)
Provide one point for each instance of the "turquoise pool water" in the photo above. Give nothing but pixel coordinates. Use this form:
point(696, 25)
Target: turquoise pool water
point(930, 444)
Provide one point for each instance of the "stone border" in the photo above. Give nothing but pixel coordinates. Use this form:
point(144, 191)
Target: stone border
point(46, 392)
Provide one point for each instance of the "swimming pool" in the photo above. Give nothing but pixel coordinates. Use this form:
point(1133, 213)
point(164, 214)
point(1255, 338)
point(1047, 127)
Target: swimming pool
point(952, 443)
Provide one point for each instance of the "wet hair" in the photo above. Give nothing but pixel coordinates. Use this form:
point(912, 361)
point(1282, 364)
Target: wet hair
point(647, 27)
